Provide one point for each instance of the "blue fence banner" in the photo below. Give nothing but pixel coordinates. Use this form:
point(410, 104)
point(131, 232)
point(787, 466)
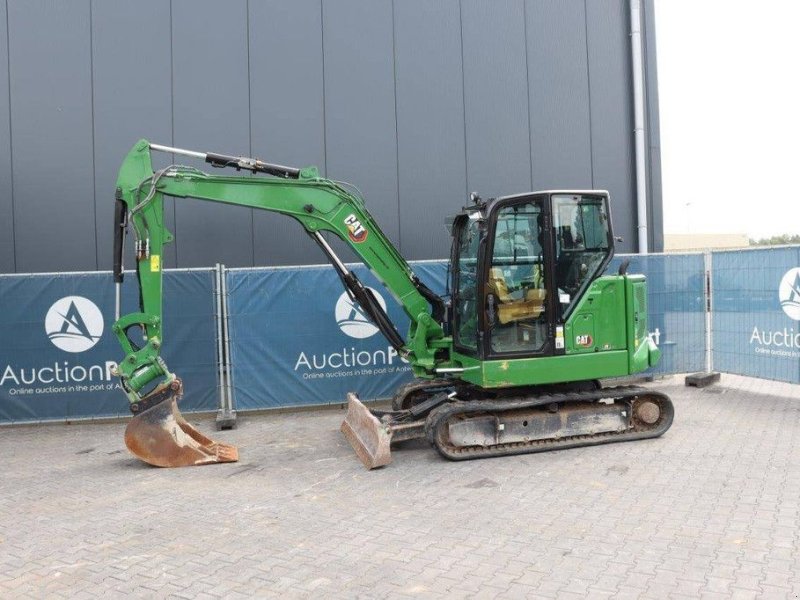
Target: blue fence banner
point(57, 347)
point(675, 306)
point(756, 312)
point(297, 338)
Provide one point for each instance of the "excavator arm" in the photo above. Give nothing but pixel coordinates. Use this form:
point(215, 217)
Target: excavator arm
point(158, 434)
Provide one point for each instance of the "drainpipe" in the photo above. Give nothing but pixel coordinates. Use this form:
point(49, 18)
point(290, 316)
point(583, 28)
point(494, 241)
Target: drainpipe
point(637, 67)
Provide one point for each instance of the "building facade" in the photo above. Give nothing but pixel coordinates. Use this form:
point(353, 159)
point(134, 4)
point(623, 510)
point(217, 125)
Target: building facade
point(415, 102)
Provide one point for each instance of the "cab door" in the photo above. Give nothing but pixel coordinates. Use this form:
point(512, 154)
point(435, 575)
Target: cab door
point(518, 299)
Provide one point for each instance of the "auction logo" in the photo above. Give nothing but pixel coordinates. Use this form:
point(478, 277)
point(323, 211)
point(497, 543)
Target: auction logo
point(789, 293)
point(351, 318)
point(74, 324)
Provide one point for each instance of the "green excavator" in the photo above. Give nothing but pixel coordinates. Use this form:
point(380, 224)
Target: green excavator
point(509, 363)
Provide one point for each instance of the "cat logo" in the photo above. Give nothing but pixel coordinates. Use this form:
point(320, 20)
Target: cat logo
point(585, 341)
point(355, 229)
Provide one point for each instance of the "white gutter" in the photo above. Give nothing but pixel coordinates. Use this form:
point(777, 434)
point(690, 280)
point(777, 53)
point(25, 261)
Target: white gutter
point(637, 68)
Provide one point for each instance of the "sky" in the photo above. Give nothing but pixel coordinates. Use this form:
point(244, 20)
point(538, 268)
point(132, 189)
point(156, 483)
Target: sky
point(729, 102)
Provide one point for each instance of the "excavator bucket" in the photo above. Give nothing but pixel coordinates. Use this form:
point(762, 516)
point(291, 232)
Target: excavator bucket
point(161, 437)
point(367, 435)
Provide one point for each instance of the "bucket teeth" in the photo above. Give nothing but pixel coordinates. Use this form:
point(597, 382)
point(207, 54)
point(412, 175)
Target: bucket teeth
point(369, 437)
point(160, 436)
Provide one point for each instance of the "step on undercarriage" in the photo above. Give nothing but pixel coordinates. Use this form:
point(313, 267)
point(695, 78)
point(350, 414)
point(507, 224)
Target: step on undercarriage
point(462, 426)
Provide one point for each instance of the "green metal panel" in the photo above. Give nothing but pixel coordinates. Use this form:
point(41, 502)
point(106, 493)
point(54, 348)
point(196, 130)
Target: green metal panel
point(543, 370)
point(643, 352)
point(598, 322)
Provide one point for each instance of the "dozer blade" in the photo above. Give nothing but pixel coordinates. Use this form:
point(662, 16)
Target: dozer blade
point(367, 435)
point(161, 437)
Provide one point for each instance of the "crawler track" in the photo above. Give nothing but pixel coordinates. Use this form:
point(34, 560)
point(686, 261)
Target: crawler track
point(649, 415)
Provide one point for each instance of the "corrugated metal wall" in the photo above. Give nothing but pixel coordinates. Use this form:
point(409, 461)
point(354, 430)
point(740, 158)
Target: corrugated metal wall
point(416, 102)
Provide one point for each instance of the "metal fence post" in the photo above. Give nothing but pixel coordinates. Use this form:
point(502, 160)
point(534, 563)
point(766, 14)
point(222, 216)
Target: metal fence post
point(708, 267)
point(708, 376)
point(226, 415)
point(218, 319)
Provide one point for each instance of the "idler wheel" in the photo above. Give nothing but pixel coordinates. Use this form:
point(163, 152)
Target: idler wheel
point(647, 411)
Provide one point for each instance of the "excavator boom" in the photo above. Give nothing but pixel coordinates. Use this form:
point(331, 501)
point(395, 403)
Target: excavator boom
point(158, 434)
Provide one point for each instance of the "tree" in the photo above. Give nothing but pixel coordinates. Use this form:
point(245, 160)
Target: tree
point(777, 240)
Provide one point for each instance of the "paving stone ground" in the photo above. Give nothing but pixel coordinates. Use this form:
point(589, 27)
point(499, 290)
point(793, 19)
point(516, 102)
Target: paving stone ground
point(711, 510)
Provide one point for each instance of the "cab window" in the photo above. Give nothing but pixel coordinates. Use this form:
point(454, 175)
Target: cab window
point(582, 243)
point(465, 311)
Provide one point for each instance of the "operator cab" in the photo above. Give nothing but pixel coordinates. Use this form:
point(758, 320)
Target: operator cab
point(519, 266)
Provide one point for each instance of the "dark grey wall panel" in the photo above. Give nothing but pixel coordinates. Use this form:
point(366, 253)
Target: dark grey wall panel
point(612, 116)
point(211, 113)
point(415, 102)
point(430, 123)
point(6, 199)
point(561, 152)
point(132, 100)
point(287, 113)
point(51, 134)
point(496, 97)
point(360, 124)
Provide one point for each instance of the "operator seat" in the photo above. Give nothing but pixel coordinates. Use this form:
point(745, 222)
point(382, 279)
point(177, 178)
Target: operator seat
point(510, 309)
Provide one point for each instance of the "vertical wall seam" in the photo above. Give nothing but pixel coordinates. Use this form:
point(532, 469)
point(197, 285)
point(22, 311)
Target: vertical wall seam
point(528, 86)
point(249, 87)
point(324, 101)
point(250, 132)
point(463, 95)
point(589, 92)
point(11, 148)
point(94, 145)
point(396, 134)
point(329, 236)
point(172, 120)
